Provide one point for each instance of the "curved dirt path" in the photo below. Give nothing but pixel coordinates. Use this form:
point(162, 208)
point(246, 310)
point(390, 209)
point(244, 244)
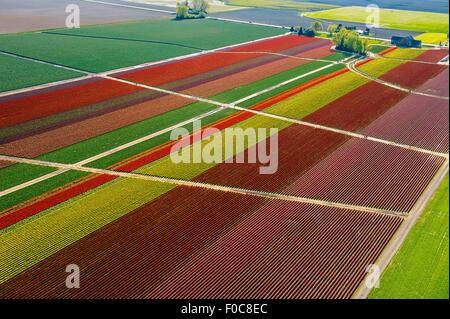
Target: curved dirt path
point(352, 67)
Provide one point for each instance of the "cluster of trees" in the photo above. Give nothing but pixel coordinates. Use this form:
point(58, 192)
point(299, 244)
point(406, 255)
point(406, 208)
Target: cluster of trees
point(344, 39)
point(196, 10)
point(350, 41)
point(311, 31)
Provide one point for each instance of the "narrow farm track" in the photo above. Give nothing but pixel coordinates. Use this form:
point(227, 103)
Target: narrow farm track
point(438, 85)
point(199, 229)
point(330, 224)
point(105, 117)
point(416, 120)
point(205, 100)
point(280, 55)
point(366, 173)
point(283, 256)
point(313, 126)
point(352, 67)
point(34, 207)
point(370, 174)
point(192, 66)
point(116, 71)
point(431, 57)
point(107, 153)
point(236, 107)
point(400, 236)
point(409, 76)
point(180, 182)
point(49, 103)
point(359, 108)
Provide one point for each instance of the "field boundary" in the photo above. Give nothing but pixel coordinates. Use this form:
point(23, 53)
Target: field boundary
point(153, 135)
point(181, 182)
point(402, 233)
point(150, 136)
point(108, 153)
point(115, 71)
point(353, 68)
point(278, 117)
point(232, 106)
point(130, 6)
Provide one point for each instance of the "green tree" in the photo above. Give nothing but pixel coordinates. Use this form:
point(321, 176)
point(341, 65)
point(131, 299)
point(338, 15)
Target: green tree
point(182, 10)
point(200, 6)
point(316, 26)
point(332, 29)
point(350, 41)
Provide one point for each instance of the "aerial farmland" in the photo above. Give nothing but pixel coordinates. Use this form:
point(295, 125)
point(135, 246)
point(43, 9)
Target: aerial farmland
point(162, 150)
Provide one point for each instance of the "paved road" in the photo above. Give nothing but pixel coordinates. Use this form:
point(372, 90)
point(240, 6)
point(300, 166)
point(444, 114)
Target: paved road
point(290, 18)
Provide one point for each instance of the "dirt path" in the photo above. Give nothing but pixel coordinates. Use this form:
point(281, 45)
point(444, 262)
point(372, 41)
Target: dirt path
point(397, 241)
point(181, 182)
point(352, 67)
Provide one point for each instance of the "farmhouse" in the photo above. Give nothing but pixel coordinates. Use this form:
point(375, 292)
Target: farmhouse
point(406, 42)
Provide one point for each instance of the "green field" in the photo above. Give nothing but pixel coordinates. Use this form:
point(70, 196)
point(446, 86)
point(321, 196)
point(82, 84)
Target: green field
point(377, 48)
point(432, 38)
point(420, 269)
point(17, 74)
point(393, 19)
point(282, 4)
point(107, 47)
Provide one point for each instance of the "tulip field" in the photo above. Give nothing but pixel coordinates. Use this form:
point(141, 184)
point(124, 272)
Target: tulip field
point(87, 177)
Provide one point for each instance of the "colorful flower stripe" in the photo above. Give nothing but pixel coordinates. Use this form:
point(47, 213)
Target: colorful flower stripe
point(13, 111)
point(188, 236)
point(172, 71)
point(139, 162)
point(369, 174)
point(417, 120)
point(25, 212)
point(109, 116)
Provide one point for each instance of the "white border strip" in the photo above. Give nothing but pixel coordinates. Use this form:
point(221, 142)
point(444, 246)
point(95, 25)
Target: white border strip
point(181, 182)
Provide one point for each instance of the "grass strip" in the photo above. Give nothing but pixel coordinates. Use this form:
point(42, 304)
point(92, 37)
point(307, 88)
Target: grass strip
point(420, 269)
point(18, 74)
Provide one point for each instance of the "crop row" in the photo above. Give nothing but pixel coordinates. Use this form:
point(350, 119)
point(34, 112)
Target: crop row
point(369, 174)
point(17, 73)
point(34, 146)
point(171, 248)
point(320, 95)
point(433, 55)
point(285, 250)
point(123, 45)
point(411, 75)
point(358, 108)
point(437, 85)
point(69, 118)
point(41, 236)
point(265, 63)
point(242, 120)
point(29, 107)
point(104, 144)
point(417, 120)
point(173, 71)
